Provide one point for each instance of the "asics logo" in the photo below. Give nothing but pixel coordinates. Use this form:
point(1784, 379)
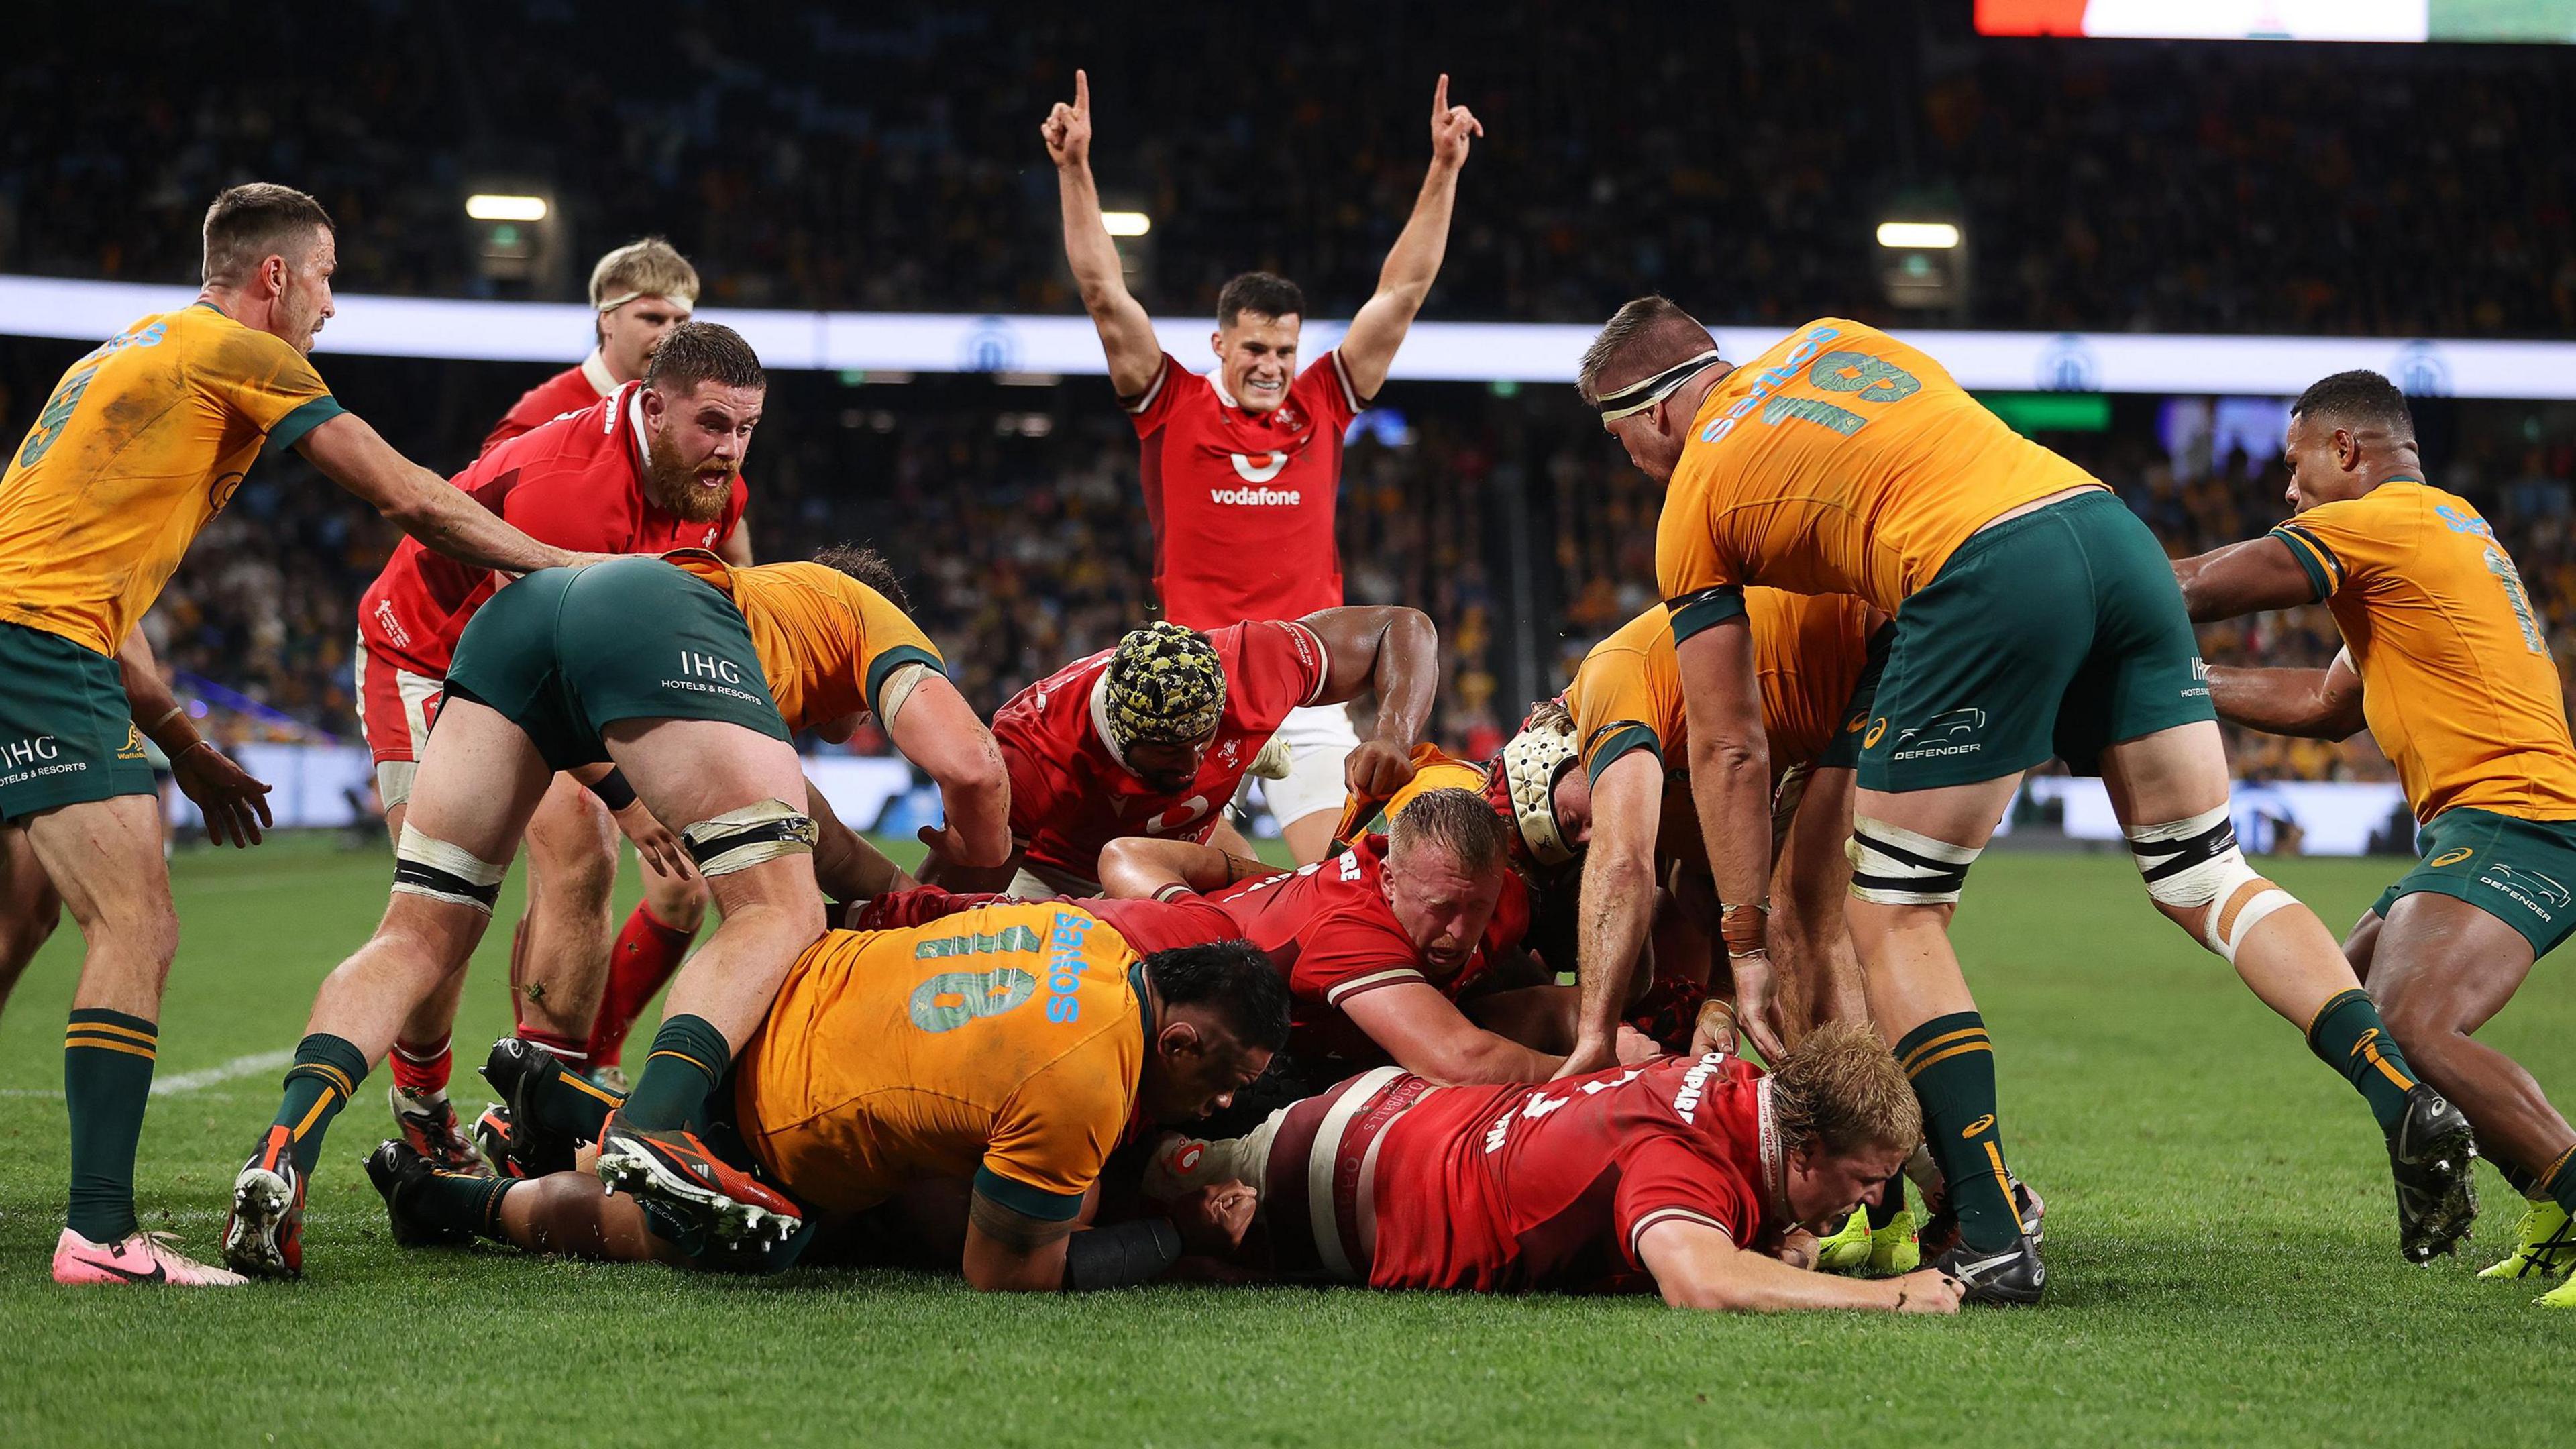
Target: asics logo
point(1977, 1127)
point(2452, 857)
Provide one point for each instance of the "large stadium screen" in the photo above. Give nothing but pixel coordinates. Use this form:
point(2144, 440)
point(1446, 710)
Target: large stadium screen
point(2381, 20)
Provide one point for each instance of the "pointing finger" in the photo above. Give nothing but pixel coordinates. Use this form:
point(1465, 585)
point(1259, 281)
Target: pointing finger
point(1440, 95)
point(1081, 93)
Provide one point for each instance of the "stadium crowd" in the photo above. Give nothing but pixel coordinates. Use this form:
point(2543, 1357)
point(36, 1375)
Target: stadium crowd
point(2180, 188)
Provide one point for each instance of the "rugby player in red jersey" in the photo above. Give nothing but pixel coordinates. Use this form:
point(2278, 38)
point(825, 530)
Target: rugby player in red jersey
point(640, 292)
point(646, 469)
point(1691, 1177)
point(1241, 467)
point(1152, 737)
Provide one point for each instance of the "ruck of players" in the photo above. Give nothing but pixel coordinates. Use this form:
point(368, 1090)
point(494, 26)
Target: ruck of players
point(1660, 998)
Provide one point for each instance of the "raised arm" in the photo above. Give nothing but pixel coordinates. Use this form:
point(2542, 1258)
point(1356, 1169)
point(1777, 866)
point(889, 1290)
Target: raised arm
point(2243, 578)
point(1141, 867)
point(2317, 704)
point(1368, 349)
point(235, 805)
point(1430, 1037)
point(1126, 333)
point(937, 730)
point(1616, 903)
point(1394, 653)
point(1730, 770)
point(422, 504)
point(1698, 1266)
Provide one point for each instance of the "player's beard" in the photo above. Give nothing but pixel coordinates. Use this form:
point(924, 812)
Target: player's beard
point(673, 487)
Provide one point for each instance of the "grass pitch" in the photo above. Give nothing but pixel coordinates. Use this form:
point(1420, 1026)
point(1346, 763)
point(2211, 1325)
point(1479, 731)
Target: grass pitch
point(2221, 1245)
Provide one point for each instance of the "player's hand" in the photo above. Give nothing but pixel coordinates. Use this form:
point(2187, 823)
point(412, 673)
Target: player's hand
point(1927, 1290)
point(1635, 1046)
point(234, 804)
point(1797, 1249)
point(1213, 1219)
point(1377, 770)
point(1589, 1056)
point(1714, 1030)
point(957, 850)
point(1756, 1008)
point(660, 850)
point(1452, 127)
point(1067, 129)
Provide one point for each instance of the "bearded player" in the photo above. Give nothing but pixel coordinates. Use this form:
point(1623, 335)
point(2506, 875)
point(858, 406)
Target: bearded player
point(1241, 468)
point(2446, 663)
point(1680, 1176)
point(1153, 736)
point(1009, 1047)
point(638, 293)
point(2034, 616)
point(656, 465)
point(144, 440)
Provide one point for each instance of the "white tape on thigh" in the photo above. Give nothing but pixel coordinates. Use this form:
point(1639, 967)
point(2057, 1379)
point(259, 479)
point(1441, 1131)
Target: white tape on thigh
point(898, 688)
point(1893, 866)
point(2195, 865)
point(737, 840)
point(433, 868)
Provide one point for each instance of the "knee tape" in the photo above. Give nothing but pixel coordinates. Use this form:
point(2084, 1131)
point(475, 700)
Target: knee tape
point(440, 871)
point(2194, 865)
point(740, 839)
point(1893, 866)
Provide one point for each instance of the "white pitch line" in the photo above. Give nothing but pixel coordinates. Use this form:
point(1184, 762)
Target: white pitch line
point(198, 1081)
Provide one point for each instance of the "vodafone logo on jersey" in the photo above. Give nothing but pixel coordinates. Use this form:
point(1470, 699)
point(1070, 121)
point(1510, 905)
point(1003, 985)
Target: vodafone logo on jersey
point(1258, 497)
point(1252, 472)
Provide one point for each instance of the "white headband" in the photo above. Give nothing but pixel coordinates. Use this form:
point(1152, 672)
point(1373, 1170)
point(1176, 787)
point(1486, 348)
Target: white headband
point(1638, 396)
point(613, 303)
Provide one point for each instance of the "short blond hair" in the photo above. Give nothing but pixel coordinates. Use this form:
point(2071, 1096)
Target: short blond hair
point(648, 268)
point(1458, 821)
point(1840, 1091)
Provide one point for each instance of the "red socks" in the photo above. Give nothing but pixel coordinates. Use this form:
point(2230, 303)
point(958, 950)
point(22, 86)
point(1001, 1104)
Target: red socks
point(639, 965)
point(422, 1069)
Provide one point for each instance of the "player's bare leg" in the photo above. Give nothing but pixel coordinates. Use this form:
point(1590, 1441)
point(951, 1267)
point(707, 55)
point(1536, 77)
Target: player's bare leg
point(737, 797)
point(104, 859)
point(2169, 789)
point(423, 1059)
point(1920, 1000)
point(479, 780)
point(572, 875)
point(29, 908)
point(1309, 837)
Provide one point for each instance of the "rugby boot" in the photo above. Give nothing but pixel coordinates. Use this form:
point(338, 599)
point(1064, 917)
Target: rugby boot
point(398, 1170)
point(522, 1072)
point(1941, 1226)
point(492, 1137)
point(138, 1257)
point(1847, 1250)
point(2562, 1296)
point(2544, 1246)
point(430, 1128)
point(1894, 1249)
point(2431, 1152)
point(676, 1171)
point(2011, 1278)
point(264, 1236)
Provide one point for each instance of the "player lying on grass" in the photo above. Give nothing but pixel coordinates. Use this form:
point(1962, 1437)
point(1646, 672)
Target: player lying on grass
point(2034, 616)
point(691, 677)
point(2446, 664)
point(656, 465)
point(1680, 1175)
point(1011, 1046)
point(1242, 467)
point(1153, 736)
point(143, 441)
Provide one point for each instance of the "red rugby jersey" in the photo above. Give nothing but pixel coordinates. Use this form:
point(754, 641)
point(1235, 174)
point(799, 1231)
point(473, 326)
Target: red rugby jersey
point(576, 483)
point(1242, 502)
point(1548, 1186)
point(1070, 794)
point(1330, 931)
point(568, 391)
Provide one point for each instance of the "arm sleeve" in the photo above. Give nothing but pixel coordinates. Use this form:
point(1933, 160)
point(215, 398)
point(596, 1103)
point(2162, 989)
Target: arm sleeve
point(1616, 711)
point(1152, 408)
point(2347, 541)
point(1662, 1178)
point(1340, 959)
point(1701, 585)
point(1287, 664)
point(891, 641)
point(1326, 392)
point(1050, 1139)
point(271, 384)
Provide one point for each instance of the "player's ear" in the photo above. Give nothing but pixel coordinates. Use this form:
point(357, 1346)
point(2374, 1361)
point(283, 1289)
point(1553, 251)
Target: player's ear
point(1180, 1039)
